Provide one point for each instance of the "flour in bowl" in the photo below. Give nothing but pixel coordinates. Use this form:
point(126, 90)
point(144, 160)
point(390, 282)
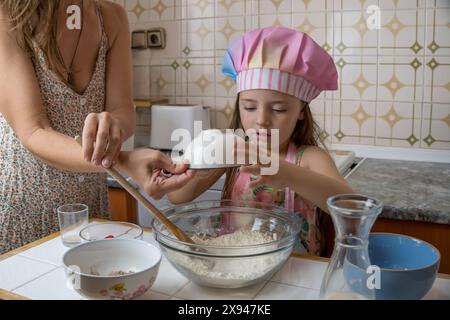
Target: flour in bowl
point(242, 237)
point(224, 270)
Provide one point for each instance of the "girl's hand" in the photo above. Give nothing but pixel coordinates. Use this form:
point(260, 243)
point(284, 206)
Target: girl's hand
point(278, 180)
point(102, 139)
point(145, 166)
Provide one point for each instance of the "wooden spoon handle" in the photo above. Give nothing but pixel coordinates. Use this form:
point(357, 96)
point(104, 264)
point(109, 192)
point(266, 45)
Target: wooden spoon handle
point(147, 204)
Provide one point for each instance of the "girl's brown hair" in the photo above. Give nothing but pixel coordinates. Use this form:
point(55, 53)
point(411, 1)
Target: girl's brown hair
point(306, 132)
point(36, 20)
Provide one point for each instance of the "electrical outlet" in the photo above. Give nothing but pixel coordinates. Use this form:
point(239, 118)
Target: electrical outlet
point(156, 38)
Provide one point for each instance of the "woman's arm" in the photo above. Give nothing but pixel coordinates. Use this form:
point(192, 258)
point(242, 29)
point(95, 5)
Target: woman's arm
point(317, 182)
point(119, 91)
point(202, 180)
point(21, 106)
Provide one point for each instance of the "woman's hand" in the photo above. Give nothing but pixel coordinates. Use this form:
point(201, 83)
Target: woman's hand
point(102, 139)
point(145, 166)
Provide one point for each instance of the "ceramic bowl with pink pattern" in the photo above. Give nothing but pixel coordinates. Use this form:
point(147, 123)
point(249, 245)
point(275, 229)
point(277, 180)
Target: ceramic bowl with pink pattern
point(112, 268)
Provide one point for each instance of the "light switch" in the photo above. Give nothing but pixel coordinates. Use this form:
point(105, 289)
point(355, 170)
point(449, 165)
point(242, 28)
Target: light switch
point(139, 39)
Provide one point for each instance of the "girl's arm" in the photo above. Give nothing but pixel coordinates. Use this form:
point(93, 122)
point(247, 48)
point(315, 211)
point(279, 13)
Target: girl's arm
point(317, 181)
point(202, 180)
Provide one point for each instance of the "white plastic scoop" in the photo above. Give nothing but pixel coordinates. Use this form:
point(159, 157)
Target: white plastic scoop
point(212, 149)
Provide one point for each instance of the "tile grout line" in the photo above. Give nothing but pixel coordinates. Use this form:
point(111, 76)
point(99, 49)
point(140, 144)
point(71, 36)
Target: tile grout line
point(294, 285)
point(39, 260)
point(184, 286)
point(38, 277)
point(262, 288)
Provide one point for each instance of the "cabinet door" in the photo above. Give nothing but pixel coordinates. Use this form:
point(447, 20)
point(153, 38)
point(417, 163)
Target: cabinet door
point(122, 205)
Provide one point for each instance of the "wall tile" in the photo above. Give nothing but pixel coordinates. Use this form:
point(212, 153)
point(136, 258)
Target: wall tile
point(353, 121)
point(140, 57)
point(322, 114)
point(352, 35)
point(197, 9)
point(227, 30)
point(400, 122)
point(270, 20)
point(252, 22)
point(198, 35)
point(357, 77)
point(201, 78)
point(436, 126)
point(401, 4)
point(440, 3)
point(224, 111)
point(137, 10)
point(400, 78)
point(437, 81)
point(318, 25)
point(393, 82)
point(155, 81)
point(311, 6)
point(141, 82)
point(438, 32)
point(278, 6)
point(402, 32)
point(160, 10)
point(356, 5)
point(230, 8)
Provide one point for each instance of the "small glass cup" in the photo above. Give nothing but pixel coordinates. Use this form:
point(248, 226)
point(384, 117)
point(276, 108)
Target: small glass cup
point(72, 218)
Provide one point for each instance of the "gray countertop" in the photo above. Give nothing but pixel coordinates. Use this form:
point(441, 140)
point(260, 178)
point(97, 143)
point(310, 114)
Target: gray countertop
point(409, 190)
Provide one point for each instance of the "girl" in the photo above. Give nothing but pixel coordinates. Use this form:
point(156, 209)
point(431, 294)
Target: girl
point(278, 72)
point(56, 83)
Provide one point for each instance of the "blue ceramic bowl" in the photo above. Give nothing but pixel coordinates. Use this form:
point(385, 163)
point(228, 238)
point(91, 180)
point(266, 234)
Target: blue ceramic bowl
point(408, 265)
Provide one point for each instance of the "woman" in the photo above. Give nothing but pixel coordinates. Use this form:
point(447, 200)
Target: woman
point(56, 83)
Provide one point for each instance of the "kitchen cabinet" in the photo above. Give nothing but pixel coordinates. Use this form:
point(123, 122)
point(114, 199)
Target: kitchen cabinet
point(122, 205)
point(436, 234)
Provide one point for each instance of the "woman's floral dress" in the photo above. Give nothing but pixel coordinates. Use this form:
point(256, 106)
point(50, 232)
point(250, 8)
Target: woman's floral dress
point(30, 190)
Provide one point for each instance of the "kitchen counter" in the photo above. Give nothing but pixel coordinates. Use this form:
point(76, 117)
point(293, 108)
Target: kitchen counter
point(35, 272)
point(409, 190)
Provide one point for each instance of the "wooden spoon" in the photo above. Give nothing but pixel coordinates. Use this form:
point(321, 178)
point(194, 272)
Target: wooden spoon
point(150, 207)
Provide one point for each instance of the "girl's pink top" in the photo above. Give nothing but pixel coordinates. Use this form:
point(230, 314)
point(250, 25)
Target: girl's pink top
point(291, 201)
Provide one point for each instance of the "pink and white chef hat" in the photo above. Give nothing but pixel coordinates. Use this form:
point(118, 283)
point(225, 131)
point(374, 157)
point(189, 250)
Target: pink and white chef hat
point(281, 59)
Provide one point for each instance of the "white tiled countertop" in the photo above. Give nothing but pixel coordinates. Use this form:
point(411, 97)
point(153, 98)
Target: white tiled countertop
point(37, 273)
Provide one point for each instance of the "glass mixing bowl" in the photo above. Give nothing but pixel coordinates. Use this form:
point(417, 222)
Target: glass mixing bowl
point(238, 243)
